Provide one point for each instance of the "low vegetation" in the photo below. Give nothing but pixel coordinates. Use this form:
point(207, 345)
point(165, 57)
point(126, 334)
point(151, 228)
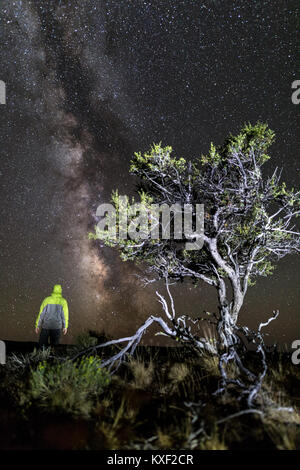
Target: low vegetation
point(66, 386)
point(162, 398)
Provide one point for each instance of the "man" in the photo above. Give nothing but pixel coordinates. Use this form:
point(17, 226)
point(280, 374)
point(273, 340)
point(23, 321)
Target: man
point(52, 318)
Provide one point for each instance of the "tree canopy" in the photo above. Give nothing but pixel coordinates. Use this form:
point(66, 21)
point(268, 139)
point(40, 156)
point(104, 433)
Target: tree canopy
point(248, 218)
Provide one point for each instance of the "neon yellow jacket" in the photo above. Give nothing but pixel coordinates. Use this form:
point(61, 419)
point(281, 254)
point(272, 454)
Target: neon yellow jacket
point(54, 311)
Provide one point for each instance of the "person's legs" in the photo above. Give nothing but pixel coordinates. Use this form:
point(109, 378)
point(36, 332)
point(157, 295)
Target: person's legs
point(43, 341)
point(54, 337)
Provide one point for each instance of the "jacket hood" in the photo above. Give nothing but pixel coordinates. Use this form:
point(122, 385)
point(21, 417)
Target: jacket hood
point(57, 290)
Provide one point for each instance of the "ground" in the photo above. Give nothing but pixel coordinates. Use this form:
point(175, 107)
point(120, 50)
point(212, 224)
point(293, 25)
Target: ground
point(49, 402)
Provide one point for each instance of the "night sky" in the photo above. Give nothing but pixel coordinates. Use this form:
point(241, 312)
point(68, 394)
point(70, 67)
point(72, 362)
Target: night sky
point(91, 82)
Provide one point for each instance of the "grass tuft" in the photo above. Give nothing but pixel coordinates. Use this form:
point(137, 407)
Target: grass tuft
point(68, 387)
point(142, 374)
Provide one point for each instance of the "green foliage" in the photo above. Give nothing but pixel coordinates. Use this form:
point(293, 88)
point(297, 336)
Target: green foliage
point(221, 272)
point(266, 268)
point(252, 140)
point(250, 282)
point(242, 209)
point(123, 205)
point(157, 159)
point(68, 387)
point(213, 158)
point(281, 193)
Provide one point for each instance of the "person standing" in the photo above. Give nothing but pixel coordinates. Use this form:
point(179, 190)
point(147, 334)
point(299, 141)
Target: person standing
point(53, 318)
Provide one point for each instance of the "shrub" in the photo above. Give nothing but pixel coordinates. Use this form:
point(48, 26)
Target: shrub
point(16, 371)
point(178, 372)
point(18, 363)
point(85, 340)
point(143, 375)
point(69, 387)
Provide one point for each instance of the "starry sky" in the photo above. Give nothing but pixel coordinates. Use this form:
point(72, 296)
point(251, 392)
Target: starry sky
point(91, 82)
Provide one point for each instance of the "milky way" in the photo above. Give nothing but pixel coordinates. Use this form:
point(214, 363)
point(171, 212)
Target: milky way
point(90, 82)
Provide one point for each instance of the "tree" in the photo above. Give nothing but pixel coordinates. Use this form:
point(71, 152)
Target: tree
point(249, 225)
